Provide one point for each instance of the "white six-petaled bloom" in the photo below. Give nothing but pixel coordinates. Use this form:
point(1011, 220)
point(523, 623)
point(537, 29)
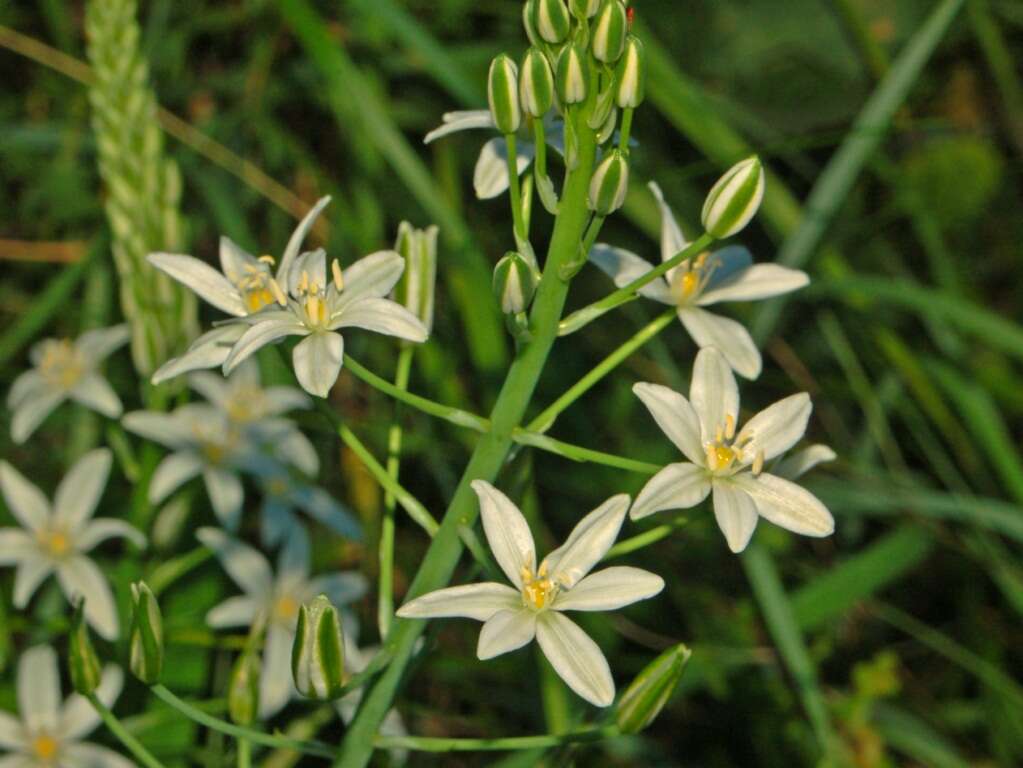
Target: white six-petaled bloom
point(729, 464)
point(534, 605)
point(47, 734)
point(57, 537)
point(244, 286)
point(320, 303)
point(64, 369)
point(725, 275)
point(274, 600)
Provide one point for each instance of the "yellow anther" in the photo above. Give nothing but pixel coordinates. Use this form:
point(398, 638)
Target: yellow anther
point(258, 298)
point(286, 608)
point(56, 542)
point(339, 280)
point(316, 309)
point(303, 285)
point(45, 747)
point(719, 434)
point(758, 463)
point(266, 258)
point(729, 426)
point(61, 364)
point(278, 293)
point(538, 591)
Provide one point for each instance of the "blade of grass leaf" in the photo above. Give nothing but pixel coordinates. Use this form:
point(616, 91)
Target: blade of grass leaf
point(908, 734)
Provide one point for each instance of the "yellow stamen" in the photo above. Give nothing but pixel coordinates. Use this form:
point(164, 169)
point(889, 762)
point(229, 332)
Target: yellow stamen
point(286, 608)
point(55, 542)
point(538, 591)
point(267, 259)
point(729, 426)
point(258, 298)
point(61, 364)
point(303, 285)
point(278, 293)
point(45, 747)
point(758, 463)
point(339, 280)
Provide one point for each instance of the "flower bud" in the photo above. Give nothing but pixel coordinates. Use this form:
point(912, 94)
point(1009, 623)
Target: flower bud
point(503, 94)
point(584, 9)
point(514, 283)
point(536, 83)
point(734, 199)
point(609, 32)
point(528, 12)
point(550, 19)
point(609, 184)
point(82, 661)
point(318, 654)
point(644, 699)
point(415, 290)
point(572, 77)
point(146, 659)
point(243, 689)
point(631, 74)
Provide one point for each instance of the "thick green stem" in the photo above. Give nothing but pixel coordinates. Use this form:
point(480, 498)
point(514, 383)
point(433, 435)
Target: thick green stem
point(626, 130)
point(515, 193)
point(432, 744)
point(130, 743)
point(244, 753)
point(441, 558)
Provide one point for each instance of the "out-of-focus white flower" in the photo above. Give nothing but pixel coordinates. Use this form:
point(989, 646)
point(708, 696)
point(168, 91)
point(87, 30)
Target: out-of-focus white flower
point(534, 605)
point(283, 494)
point(64, 369)
point(710, 278)
point(47, 733)
point(245, 286)
point(274, 599)
point(728, 463)
point(319, 304)
point(56, 537)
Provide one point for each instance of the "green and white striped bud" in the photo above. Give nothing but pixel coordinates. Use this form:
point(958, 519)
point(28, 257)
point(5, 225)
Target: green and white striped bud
point(572, 77)
point(83, 663)
point(610, 31)
point(734, 199)
point(584, 9)
point(503, 94)
point(609, 184)
point(243, 689)
point(146, 657)
point(630, 76)
point(644, 699)
point(318, 654)
point(528, 12)
point(551, 20)
point(536, 83)
point(514, 283)
point(415, 291)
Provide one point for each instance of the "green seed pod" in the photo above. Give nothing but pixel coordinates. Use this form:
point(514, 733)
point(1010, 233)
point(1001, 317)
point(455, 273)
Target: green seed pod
point(503, 94)
point(644, 699)
point(631, 74)
point(82, 660)
point(243, 690)
point(609, 184)
point(610, 31)
point(146, 659)
point(584, 9)
point(415, 291)
point(514, 283)
point(734, 199)
point(536, 84)
point(551, 20)
point(572, 77)
point(318, 654)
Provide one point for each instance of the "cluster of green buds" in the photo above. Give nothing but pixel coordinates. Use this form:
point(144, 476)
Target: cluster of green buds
point(318, 654)
point(146, 642)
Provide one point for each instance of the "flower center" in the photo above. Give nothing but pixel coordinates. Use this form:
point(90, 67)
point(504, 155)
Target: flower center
point(312, 297)
point(691, 278)
point(538, 591)
point(45, 747)
point(285, 608)
point(246, 404)
point(61, 365)
point(725, 451)
point(258, 287)
point(55, 542)
point(277, 487)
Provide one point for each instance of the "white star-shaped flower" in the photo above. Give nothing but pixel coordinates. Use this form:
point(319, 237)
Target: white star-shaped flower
point(535, 603)
point(245, 286)
point(274, 599)
point(55, 538)
point(48, 734)
point(318, 305)
point(62, 370)
point(725, 275)
point(729, 464)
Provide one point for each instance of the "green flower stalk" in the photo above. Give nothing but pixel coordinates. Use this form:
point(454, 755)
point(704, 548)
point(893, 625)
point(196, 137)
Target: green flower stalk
point(146, 660)
point(83, 664)
point(734, 199)
point(318, 653)
point(609, 32)
point(503, 94)
point(644, 699)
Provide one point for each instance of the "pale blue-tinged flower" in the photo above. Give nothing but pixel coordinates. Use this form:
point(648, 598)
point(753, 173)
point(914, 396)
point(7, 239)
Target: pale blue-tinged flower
point(245, 285)
point(728, 462)
point(54, 538)
point(725, 275)
point(275, 599)
point(48, 733)
point(65, 370)
point(283, 494)
point(535, 603)
point(321, 302)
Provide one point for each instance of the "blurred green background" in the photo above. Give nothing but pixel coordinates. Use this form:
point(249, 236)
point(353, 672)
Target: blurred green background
point(898, 638)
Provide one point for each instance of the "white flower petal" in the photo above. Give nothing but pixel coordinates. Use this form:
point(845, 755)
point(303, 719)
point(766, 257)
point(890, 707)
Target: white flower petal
point(676, 418)
point(293, 560)
point(238, 611)
point(18, 760)
point(226, 495)
point(321, 506)
point(588, 542)
point(317, 360)
point(471, 601)
point(677, 486)
point(311, 264)
point(382, 316)
point(171, 430)
point(713, 392)
point(246, 567)
point(760, 281)
point(93, 391)
point(12, 734)
point(103, 528)
point(801, 462)
point(371, 276)
point(24, 500)
point(78, 717)
point(672, 239)
point(283, 399)
point(275, 684)
point(174, 471)
point(208, 351)
point(39, 689)
point(507, 532)
point(464, 120)
point(32, 411)
point(340, 588)
point(610, 589)
point(576, 658)
point(25, 386)
point(80, 490)
point(79, 576)
point(787, 505)
point(506, 631)
point(15, 546)
point(82, 754)
point(235, 262)
point(490, 178)
point(294, 246)
point(776, 428)
point(623, 267)
point(31, 572)
point(729, 336)
point(296, 449)
point(736, 514)
point(724, 265)
point(99, 343)
point(214, 387)
point(203, 279)
point(279, 325)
